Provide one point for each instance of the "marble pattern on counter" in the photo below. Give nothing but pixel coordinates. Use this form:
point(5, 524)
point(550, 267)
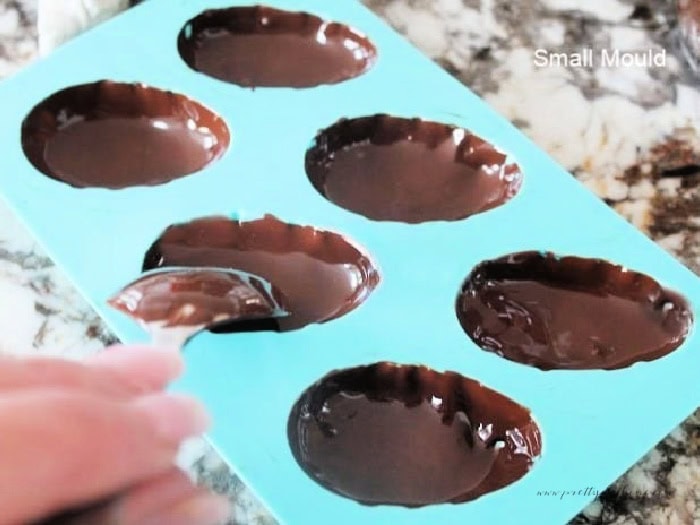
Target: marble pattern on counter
point(629, 135)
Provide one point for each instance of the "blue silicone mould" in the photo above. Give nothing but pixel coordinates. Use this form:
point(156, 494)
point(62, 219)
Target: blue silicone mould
point(595, 424)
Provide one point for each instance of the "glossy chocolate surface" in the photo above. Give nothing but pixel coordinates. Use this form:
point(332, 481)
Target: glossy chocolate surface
point(113, 135)
point(195, 298)
point(410, 436)
point(320, 275)
point(570, 313)
point(265, 47)
point(409, 170)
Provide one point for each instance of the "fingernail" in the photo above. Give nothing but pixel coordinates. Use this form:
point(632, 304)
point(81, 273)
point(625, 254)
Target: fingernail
point(174, 417)
point(204, 509)
point(209, 509)
point(136, 358)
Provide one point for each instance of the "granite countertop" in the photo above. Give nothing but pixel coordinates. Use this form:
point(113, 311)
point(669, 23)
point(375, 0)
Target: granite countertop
point(628, 133)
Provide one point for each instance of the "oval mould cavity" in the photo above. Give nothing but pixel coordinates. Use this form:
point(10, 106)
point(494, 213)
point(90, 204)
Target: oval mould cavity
point(389, 168)
point(260, 46)
point(410, 436)
point(319, 274)
point(117, 135)
point(554, 312)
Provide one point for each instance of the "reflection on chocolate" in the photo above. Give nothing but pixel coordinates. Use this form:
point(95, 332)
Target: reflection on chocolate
point(409, 170)
point(193, 297)
point(113, 135)
point(408, 435)
point(320, 275)
point(570, 313)
point(266, 47)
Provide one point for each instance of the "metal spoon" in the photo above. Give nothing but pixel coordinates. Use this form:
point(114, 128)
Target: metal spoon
point(174, 304)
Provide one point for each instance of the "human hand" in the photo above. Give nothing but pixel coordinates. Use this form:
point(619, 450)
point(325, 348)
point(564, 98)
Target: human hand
point(73, 434)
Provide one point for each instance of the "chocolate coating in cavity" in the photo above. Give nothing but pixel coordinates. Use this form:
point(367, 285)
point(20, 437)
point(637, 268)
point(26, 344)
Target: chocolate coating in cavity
point(113, 135)
point(410, 436)
point(409, 170)
point(320, 275)
point(265, 47)
point(194, 298)
point(570, 313)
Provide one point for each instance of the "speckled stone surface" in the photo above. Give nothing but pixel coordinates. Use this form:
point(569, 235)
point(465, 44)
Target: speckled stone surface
point(629, 134)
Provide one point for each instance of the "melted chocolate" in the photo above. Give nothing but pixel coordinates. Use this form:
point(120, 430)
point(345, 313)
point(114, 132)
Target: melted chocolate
point(195, 298)
point(320, 275)
point(408, 170)
point(266, 47)
point(570, 313)
point(113, 135)
point(408, 435)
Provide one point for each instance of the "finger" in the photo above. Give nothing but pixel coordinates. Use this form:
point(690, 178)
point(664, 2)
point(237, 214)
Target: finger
point(116, 372)
point(200, 509)
point(84, 448)
point(146, 368)
point(170, 498)
point(148, 498)
point(137, 503)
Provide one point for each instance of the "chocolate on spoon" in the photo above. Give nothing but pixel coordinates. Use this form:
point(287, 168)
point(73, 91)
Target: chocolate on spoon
point(174, 304)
